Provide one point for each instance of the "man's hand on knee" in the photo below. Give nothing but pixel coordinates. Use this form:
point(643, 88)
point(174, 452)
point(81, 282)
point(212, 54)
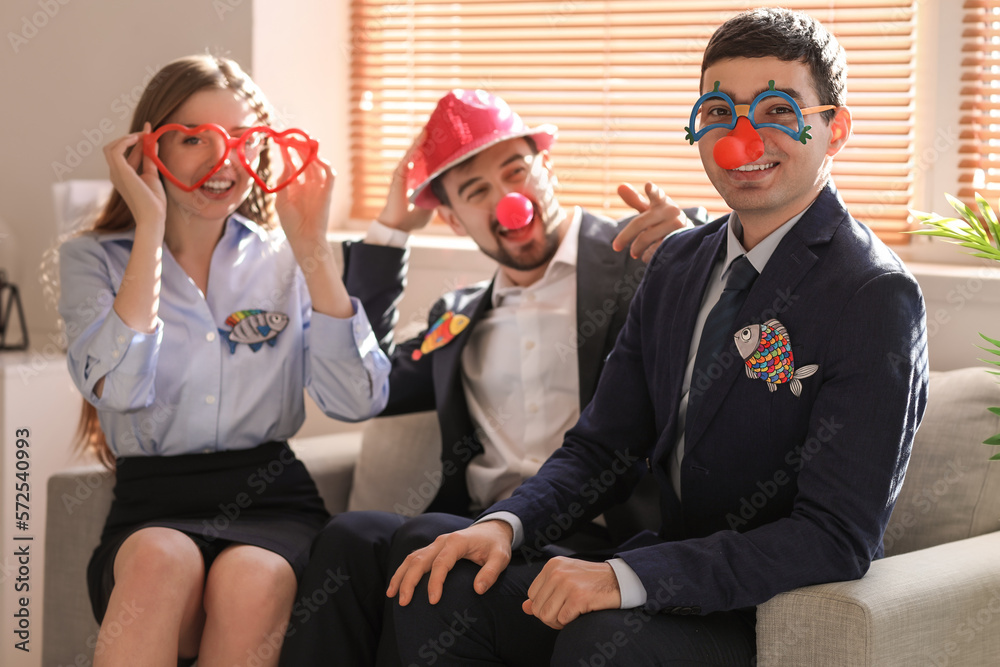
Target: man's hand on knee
point(567, 588)
point(487, 544)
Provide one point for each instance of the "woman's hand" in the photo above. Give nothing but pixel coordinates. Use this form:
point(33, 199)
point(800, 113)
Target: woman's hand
point(140, 188)
point(304, 211)
point(304, 206)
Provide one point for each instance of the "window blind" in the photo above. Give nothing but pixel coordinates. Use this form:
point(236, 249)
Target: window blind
point(619, 79)
point(979, 134)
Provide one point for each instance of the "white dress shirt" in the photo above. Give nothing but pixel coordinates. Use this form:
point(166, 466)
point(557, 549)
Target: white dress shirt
point(521, 391)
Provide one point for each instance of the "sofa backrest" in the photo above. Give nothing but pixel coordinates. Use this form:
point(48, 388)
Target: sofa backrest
point(399, 469)
point(951, 490)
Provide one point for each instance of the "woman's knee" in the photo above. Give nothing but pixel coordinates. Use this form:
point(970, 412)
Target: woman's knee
point(249, 577)
point(159, 558)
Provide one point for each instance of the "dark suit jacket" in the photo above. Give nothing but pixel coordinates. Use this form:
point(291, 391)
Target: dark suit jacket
point(606, 283)
point(778, 491)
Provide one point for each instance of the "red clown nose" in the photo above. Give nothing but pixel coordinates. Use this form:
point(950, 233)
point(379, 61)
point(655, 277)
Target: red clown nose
point(741, 146)
point(515, 211)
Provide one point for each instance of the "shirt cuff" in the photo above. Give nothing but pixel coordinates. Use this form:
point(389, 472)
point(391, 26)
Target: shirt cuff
point(632, 591)
point(379, 234)
point(123, 349)
point(510, 519)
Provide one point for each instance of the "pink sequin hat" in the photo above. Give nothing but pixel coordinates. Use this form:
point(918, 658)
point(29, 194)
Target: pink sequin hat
point(464, 123)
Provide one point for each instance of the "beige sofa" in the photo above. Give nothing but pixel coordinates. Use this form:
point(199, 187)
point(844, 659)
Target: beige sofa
point(934, 601)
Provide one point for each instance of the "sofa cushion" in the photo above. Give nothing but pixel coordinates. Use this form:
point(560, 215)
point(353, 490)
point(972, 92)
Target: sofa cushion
point(951, 490)
point(399, 469)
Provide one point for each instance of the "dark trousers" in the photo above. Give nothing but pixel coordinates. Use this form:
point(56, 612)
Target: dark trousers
point(468, 629)
point(341, 615)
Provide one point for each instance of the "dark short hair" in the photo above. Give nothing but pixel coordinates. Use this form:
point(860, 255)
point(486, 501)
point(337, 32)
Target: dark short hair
point(785, 35)
point(437, 185)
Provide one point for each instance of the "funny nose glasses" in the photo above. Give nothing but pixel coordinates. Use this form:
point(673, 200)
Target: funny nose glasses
point(742, 145)
point(211, 144)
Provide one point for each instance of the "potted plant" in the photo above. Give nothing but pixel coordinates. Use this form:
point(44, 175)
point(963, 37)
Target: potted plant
point(982, 236)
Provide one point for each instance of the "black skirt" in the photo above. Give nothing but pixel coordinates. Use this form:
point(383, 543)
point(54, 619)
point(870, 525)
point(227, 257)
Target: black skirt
point(262, 496)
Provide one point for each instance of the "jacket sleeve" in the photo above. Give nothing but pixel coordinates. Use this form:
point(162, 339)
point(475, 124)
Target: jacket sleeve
point(376, 275)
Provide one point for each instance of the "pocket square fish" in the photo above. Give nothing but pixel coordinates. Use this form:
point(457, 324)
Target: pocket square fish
point(767, 352)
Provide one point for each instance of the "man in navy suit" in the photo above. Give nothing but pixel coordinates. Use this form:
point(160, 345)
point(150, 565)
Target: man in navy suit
point(771, 373)
point(507, 364)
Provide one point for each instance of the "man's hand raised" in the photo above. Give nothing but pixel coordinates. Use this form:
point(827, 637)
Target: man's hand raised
point(398, 212)
point(658, 217)
point(487, 544)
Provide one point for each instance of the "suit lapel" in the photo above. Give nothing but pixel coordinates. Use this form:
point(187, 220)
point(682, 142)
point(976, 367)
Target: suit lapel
point(682, 325)
point(598, 267)
point(788, 265)
point(448, 359)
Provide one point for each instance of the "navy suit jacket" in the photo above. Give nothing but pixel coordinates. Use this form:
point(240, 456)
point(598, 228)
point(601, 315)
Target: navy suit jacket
point(778, 491)
point(606, 282)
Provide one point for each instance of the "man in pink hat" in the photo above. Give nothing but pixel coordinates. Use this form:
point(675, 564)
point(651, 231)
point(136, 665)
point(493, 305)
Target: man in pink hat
point(507, 364)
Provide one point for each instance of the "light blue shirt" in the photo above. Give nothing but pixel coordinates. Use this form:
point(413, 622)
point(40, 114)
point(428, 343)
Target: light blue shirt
point(214, 375)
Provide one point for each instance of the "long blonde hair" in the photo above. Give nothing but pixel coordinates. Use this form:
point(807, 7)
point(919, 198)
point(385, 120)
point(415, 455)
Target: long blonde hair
point(166, 92)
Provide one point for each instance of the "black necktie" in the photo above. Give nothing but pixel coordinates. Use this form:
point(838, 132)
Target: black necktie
point(717, 336)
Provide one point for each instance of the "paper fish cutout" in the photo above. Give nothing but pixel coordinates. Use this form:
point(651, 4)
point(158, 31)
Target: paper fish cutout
point(253, 327)
point(443, 332)
point(767, 352)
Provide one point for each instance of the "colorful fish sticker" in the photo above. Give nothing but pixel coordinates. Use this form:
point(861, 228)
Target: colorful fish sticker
point(767, 352)
point(443, 332)
point(253, 327)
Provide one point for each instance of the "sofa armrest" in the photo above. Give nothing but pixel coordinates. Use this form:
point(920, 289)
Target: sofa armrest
point(927, 607)
point(330, 460)
point(78, 503)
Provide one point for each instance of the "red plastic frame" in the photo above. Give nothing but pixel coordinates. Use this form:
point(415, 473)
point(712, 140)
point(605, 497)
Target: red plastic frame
point(291, 137)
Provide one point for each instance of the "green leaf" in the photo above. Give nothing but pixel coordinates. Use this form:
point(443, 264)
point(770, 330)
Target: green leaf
point(995, 411)
point(949, 236)
point(993, 440)
point(965, 211)
point(995, 457)
point(991, 340)
point(990, 217)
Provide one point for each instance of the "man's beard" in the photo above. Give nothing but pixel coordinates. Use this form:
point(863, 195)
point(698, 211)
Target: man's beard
point(503, 257)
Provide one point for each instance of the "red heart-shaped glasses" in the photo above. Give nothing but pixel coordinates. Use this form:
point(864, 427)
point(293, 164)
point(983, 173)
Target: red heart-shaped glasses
point(212, 144)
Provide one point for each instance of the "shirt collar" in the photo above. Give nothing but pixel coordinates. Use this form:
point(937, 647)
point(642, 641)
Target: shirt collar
point(565, 256)
point(761, 252)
